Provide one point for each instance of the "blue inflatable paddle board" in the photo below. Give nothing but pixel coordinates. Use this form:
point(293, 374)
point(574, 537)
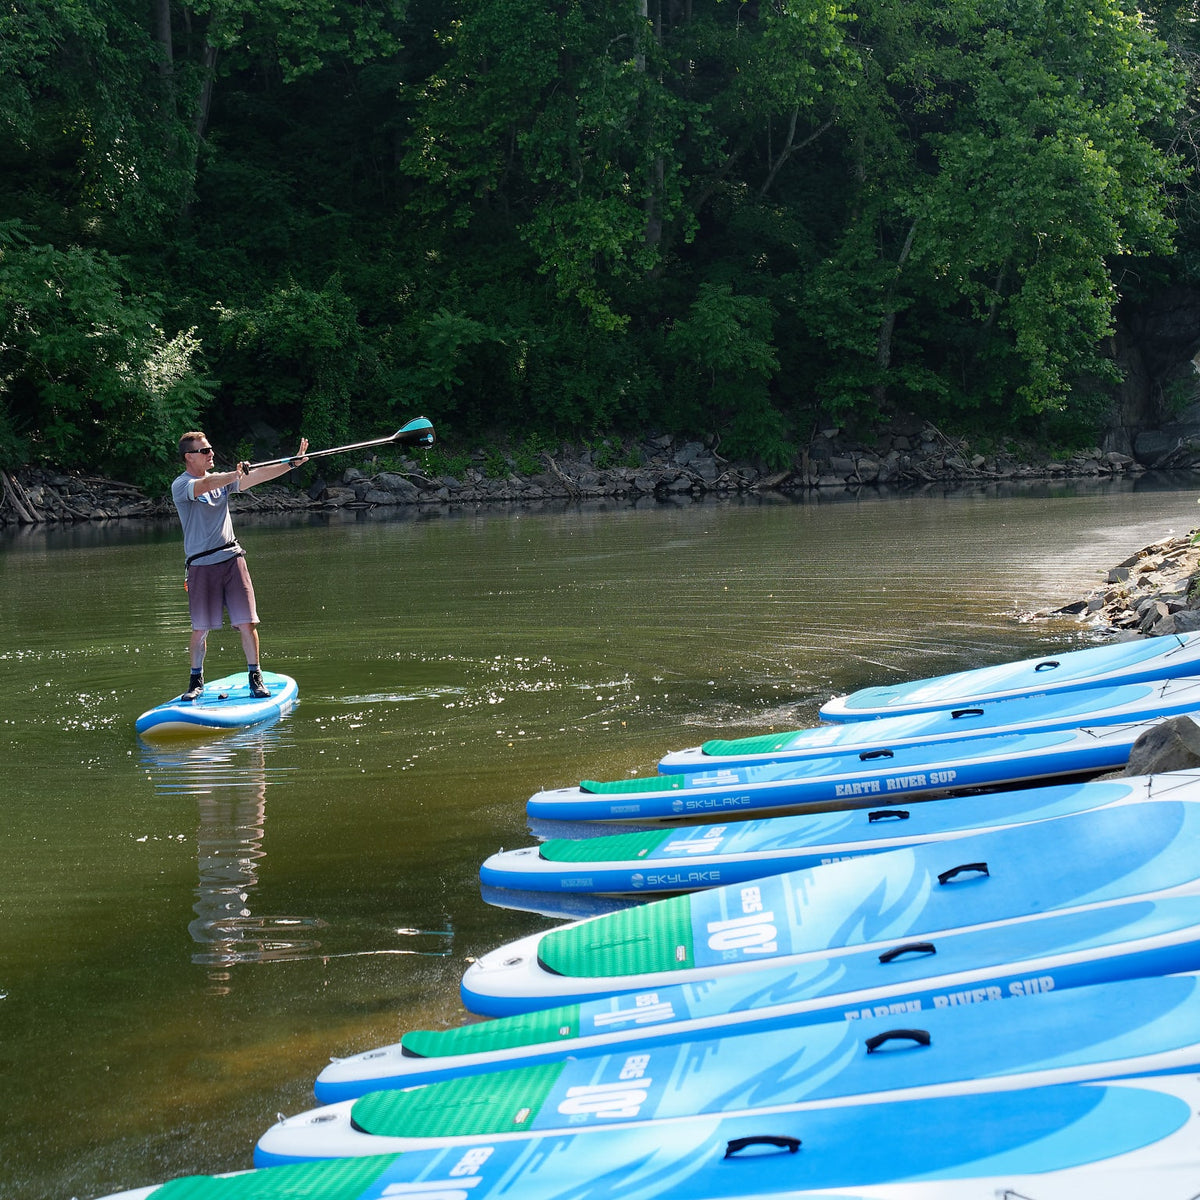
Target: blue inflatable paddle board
point(1134, 1125)
point(684, 858)
point(1116, 662)
point(224, 705)
point(1128, 852)
point(1138, 1026)
point(849, 779)
point(903, 983)
point(1088, 706)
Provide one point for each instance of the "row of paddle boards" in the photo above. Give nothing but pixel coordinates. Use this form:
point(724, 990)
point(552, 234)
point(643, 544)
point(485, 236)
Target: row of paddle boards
point(688, 857)
point(948, 999)
point(1001, 726)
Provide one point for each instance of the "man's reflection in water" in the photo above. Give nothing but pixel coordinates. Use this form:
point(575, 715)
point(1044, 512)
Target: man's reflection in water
point(228, 847)
point(229, 779)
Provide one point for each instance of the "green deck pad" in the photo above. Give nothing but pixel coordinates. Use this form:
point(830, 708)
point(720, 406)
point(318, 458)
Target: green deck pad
point(764, 743)
point(617, 847)
point(631, 941)
point(652, 783)
point(332, 1179)
point(500, 1102)
point(522, 1029)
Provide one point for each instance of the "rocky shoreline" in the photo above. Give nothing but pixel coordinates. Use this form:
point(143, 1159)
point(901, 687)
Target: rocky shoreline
point(1154, 592)
point(666, 467)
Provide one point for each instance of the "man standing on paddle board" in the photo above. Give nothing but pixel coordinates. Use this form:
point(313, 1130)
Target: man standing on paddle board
point(217, 576)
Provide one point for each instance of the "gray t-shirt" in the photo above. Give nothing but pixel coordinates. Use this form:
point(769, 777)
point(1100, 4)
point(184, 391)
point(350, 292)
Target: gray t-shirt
point(205, 519)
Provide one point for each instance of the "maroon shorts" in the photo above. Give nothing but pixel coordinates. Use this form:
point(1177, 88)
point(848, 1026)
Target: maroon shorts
point(214, 587)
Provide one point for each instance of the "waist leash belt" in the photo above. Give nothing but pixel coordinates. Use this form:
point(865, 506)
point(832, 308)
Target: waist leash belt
point(205, 553)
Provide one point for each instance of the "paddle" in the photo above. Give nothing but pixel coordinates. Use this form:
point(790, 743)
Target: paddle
point(418, 432)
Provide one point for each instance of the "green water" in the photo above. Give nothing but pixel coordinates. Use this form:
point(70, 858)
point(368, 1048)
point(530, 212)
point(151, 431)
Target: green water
point(187, 934)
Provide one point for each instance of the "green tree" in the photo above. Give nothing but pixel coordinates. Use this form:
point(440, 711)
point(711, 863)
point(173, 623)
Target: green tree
point(540, 112)
point(720, 216)
point(1024, 161)
point(724, 352)
point(85, 151)
point(88, 378)
point(293, 355)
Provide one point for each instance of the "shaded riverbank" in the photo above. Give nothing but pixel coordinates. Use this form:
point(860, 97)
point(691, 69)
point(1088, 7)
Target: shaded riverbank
point(658, 467)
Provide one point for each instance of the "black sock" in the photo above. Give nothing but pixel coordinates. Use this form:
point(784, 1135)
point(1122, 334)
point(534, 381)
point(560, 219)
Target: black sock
point(251, 667)
point(197, 677)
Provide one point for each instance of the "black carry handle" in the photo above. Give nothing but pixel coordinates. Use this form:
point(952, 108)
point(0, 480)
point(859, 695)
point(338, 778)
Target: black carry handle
point(867, 755)
point(946, 876)
point(908, 1035)
point(882, 814)
point(966, 712)
point(736, 1145)
point(1048, 665)
point(908, 948)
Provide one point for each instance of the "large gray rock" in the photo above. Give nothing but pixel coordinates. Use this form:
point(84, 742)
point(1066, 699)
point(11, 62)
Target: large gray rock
point(397, 487)
point(1187, 620)
point(1172, 745)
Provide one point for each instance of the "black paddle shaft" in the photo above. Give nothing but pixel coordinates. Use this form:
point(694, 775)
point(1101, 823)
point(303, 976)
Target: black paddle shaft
point(418, 432)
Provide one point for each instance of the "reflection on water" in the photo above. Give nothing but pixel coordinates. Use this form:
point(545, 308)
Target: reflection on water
point(229, 777)
point(201, 766)
point(558, 906)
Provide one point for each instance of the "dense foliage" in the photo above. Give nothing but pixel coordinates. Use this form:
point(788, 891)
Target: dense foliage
point(749, 218)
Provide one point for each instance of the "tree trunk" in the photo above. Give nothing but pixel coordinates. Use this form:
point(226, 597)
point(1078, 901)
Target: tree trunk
point(208, 72)
point(887, 325)
point(790, 148)
point(652, 207)
point(15, 497)
point(162, 35)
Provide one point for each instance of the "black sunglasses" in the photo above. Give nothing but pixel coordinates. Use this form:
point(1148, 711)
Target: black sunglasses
point(200, 450)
